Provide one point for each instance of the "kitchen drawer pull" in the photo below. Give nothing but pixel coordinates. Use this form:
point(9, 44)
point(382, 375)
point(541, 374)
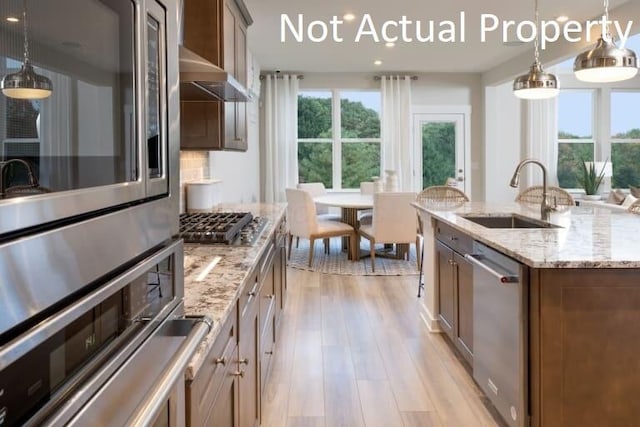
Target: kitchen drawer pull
point(502, 278)
point(238, 374)
point(271, 296)
point(244, 361)
point(252, 293)
point(221, 361)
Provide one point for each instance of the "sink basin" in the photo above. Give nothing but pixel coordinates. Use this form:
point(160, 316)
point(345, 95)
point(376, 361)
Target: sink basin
point(508, 221)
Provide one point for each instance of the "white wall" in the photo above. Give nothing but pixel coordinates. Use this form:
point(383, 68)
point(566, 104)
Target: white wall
point(240, 171)
point(503, 142)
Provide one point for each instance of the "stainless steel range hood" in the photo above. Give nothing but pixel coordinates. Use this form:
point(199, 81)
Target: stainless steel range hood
point(200, 80)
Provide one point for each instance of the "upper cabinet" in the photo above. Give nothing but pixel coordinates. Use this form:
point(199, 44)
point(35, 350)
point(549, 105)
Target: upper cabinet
point(216, 30)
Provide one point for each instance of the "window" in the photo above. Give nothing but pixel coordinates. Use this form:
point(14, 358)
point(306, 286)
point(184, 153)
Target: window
point(575, 134)
point(625, 138)
point(601, 123)
point(338, 137)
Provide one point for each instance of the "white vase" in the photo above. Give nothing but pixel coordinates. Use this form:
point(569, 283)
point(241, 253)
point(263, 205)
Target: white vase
point(377, 184)
point(391, 181)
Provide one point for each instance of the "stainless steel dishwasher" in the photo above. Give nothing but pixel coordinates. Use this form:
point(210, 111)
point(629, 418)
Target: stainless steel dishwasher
point(500, 304)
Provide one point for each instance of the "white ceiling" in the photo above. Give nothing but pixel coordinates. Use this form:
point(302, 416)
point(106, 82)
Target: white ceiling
point(470, 56)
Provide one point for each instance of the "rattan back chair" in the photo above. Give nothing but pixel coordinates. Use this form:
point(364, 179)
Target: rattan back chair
point(436, 197)
point(634, 208)
point(556, 196)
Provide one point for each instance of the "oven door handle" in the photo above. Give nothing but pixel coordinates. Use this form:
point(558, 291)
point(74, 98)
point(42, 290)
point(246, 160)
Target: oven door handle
point(154, 401)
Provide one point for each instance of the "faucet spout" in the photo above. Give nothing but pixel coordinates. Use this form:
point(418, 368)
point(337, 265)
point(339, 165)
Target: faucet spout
point(33, 181)
point(545, 208)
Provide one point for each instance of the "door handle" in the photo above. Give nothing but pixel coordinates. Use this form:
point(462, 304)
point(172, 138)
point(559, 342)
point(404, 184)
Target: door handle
point(502, 278)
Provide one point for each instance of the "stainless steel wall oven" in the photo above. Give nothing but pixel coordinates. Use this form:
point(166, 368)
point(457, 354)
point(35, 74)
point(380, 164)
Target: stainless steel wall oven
point(91, 279)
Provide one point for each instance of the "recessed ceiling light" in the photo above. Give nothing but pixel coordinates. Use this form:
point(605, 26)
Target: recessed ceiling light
point(349, 16)
point(12, 19)
point(389, 44)
point(562, 18)
point(377, 62)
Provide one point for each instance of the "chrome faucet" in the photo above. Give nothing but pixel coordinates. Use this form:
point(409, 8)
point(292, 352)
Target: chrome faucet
point(33, 181)
point(545, 207)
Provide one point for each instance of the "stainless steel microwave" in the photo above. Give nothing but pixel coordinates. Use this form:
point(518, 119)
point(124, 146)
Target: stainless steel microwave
point(101, 140)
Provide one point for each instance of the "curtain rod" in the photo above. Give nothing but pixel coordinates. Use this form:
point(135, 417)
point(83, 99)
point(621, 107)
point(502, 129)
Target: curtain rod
point(278, 76)
point(377, 78)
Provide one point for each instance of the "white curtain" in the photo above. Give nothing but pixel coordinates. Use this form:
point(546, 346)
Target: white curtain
point(396, 129)
point(281, 132)
point(541, 140)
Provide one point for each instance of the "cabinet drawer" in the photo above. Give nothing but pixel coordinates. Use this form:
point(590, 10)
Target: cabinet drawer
point(267, 341)
point(201, 392)
point(453, 238)
point(249, 294)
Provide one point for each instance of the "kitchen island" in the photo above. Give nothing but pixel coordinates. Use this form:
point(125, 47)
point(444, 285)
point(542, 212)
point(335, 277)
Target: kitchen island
point(242, 289)
point(580, 305)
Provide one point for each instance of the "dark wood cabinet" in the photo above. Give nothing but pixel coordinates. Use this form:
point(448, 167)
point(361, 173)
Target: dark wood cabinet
point(220, 36)
point(249, 360)
point(454, 277)
point(227, 389)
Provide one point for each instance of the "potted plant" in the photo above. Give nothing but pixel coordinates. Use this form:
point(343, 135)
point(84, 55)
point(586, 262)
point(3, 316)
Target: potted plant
point(591, 179)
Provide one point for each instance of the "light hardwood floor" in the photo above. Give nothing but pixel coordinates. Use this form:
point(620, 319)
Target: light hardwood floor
point(353, 351)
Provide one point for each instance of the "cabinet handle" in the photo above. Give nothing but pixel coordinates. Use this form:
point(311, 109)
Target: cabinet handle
point(238, 374)
point(270, 296)
point(244, 361)
point(454, 238)
point(221, 361)
point(268, 352)
point(238, 139)
point(450, 261)
point(252, 294)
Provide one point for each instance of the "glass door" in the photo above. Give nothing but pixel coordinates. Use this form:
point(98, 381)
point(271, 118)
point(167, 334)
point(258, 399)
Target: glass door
point(441, 153)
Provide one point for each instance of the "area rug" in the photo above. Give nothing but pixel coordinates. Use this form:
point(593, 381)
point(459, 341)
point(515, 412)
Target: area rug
point(337, 263)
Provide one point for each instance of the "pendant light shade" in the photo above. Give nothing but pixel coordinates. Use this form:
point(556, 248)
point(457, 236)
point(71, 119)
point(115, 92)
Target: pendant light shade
point(606, 63)
point(536, 84)
point(26, 83)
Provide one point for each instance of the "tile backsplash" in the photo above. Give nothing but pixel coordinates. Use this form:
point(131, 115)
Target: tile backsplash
point(194, 165)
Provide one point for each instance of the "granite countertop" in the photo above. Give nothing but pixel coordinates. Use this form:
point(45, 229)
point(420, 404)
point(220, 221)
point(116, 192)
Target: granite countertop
point(214, 293)
point(588, 237)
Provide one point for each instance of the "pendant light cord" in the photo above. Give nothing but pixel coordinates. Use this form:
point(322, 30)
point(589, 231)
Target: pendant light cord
point(536, 41)
point(606, 32)
point(24, 26)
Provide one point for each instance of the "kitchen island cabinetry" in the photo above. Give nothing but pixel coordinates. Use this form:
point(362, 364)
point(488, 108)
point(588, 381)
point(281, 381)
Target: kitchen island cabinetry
point(225, 381)
point(580, 298)
point(454, 277)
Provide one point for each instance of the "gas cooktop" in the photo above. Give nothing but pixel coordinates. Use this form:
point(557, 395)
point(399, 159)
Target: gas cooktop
point(227, 228)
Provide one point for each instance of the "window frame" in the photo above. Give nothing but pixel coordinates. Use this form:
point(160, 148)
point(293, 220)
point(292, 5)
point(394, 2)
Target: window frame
point(336, 139)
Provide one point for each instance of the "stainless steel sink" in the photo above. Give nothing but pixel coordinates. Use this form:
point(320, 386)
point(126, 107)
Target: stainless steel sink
point(508, 221)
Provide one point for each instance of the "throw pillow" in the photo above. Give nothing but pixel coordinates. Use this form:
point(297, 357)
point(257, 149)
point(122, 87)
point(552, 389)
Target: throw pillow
point(635, 191)
point(628, 201)
point(616, 197)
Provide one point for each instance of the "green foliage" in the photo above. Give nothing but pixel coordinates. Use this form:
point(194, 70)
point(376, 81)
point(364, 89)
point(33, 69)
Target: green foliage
point(590, 179)
point(360, 161)
point(438, 153)
point(314, 163)
point(570, 155)
point(314, 117)
point(626, 164)
point(358, 121)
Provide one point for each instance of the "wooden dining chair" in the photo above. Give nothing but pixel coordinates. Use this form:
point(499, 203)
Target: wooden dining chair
point(394, 221)
point(303, 222)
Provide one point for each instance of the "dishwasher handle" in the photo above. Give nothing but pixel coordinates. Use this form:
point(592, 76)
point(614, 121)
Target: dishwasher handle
point(502, 278)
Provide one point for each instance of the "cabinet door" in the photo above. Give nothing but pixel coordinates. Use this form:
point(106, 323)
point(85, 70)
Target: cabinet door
point(464, 324)
point(248, 364)
point(204, 25)
point(446, 291)
point(229, 37)
point(225, 409)
point(201, 126)
point(241, 52)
